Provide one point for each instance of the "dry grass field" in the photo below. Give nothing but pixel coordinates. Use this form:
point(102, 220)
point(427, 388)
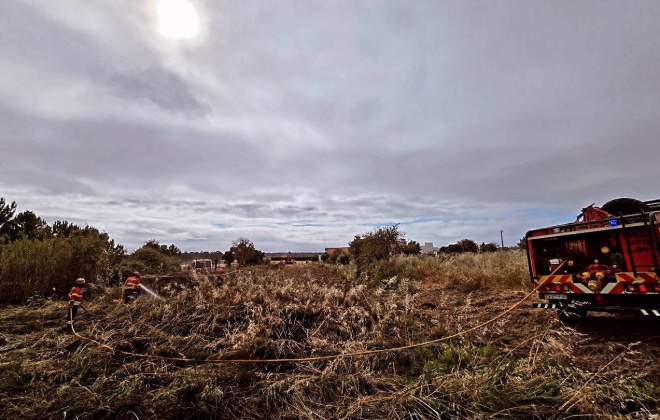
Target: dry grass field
point(212, 348)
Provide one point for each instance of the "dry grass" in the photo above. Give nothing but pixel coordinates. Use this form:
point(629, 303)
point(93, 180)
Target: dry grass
point(468, 272)
point(291, 313)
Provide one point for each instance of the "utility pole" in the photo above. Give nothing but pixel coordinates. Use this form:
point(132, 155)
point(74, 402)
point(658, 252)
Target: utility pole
point(502, 238)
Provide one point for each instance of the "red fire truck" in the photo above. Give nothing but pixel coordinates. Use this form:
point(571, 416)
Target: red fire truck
point(202, 265)
point(607, 260)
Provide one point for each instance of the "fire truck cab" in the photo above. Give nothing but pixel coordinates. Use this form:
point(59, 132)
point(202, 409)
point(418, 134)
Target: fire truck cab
point(202, 265)
point(607, 260)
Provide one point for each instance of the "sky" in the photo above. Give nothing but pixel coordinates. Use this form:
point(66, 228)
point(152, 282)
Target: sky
point(300, 124)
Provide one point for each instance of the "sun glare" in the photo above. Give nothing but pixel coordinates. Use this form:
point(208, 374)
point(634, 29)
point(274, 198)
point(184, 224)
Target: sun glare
point(177, 19)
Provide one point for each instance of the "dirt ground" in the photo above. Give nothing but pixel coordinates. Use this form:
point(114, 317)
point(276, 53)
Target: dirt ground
point(632, 341)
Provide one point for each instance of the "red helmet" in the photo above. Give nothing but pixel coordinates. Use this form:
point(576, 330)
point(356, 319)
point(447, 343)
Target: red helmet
point(80, 281)
point(136, 274)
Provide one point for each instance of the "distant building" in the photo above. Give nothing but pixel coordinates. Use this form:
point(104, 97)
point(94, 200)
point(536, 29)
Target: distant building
point(428, 248)
point(343, 249)
point(276, 256)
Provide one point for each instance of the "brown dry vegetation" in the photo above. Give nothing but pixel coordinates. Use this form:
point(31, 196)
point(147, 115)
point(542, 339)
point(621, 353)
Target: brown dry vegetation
point(524, 365)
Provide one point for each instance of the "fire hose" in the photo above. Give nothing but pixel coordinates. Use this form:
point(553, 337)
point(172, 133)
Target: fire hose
point(319, 358)
point(567, 405)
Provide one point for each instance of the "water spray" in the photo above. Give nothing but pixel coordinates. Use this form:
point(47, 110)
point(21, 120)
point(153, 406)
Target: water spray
point(151, 292)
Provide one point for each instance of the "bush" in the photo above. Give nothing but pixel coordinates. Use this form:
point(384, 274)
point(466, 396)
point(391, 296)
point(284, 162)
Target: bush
point(29, 267)
point(465, 272)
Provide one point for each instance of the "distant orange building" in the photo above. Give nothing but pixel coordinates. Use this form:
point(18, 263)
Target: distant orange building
point(343, 249)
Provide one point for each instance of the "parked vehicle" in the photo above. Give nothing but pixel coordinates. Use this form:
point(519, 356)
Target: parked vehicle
point(202, 265)
point(607, 260)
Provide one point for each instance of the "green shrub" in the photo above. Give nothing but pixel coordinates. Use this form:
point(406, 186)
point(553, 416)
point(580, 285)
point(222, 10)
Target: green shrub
point(29, 267)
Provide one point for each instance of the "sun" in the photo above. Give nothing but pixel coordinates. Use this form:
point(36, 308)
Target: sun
point(177, 19)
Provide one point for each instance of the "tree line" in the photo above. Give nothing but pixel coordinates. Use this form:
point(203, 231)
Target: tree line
point(372, 252)
point(37, 257)
point(242, 251)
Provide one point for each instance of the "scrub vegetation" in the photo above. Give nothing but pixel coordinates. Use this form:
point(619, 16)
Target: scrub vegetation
point(524, 365)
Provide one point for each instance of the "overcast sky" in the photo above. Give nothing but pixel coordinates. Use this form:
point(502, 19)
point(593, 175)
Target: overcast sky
point(303, 123)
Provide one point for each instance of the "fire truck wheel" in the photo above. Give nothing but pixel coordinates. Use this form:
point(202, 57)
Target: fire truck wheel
point(622, 206)
point(571, 314)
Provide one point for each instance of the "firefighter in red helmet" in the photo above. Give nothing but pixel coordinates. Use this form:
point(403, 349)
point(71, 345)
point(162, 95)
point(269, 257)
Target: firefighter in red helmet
point(132, 286)
point(75, 300)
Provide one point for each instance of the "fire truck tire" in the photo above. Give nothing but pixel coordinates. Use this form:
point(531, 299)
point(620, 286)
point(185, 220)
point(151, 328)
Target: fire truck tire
point(622, 206)
point(571, 314)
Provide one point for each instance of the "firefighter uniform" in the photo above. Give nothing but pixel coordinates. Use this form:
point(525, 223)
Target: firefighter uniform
point(132, 287)
point(75, 300)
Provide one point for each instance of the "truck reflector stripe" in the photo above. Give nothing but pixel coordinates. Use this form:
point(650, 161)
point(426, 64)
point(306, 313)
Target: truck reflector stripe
point(545, 305)
point(617, 288)
point(649, 277)
point(580, 288)
point(565, 278)
point(652, 312)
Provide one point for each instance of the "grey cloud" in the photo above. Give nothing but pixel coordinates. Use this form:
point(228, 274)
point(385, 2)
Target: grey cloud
point(160, 87)
point(28, 36)
point(457, 119)
point(122, 154)
point(87, 52)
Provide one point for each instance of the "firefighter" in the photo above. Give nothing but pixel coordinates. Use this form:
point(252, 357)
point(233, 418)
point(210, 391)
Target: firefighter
point(75, 300)
point(132, 287)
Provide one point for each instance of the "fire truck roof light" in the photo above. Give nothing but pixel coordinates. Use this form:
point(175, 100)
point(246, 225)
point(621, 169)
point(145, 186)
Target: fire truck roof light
point(614, 222)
